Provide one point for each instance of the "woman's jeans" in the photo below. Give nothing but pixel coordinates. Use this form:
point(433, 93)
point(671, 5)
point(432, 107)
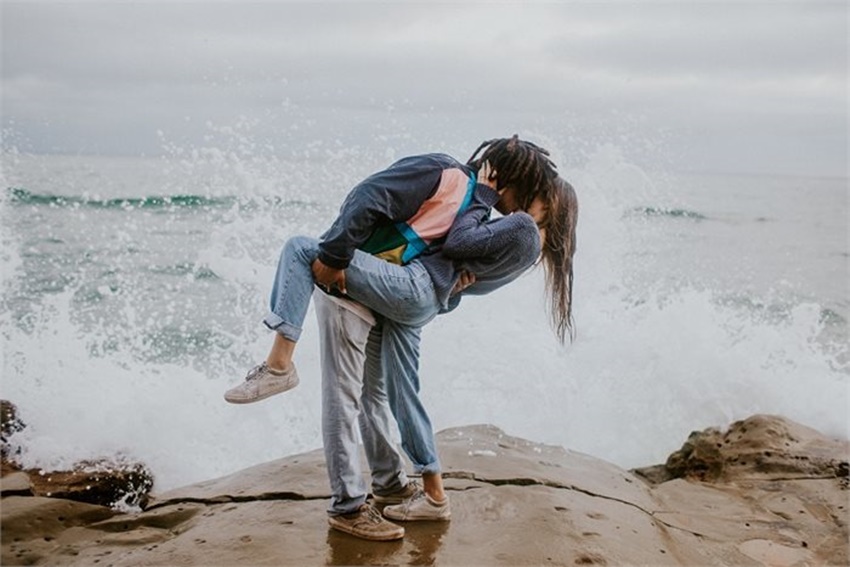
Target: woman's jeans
point(403, 298)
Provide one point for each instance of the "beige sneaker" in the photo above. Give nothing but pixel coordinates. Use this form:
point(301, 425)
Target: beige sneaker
point(420, 506)
point(261, 383)
point(400, 495)
point(367, 523)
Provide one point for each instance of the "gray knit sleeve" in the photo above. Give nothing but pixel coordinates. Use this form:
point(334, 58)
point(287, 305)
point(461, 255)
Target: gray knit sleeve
point(475, 235)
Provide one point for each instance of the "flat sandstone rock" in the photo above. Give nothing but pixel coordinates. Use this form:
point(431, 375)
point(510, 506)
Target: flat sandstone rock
point(766, 492)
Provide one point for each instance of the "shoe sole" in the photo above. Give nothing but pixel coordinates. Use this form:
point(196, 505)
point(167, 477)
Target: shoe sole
point(418, 519)
point(388, 501)
point(369, 537)
point(384, 503)
point(260, 398)
point(391, 500)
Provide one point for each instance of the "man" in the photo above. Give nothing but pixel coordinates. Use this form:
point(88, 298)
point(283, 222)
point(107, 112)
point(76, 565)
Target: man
point(375, 211)
point(355, 387)
point(348, 401)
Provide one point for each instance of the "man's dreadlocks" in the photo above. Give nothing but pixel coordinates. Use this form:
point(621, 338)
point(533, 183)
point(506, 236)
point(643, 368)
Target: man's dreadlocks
point(516, 163)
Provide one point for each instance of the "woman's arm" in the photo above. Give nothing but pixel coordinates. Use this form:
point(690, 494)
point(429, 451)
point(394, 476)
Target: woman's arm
point(475, 235)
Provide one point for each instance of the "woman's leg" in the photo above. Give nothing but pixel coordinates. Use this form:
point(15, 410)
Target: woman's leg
point(401, 293)
point(280, 355)
point(290, 297)
point(404, 293)
point(291, 293)
point(400, 359)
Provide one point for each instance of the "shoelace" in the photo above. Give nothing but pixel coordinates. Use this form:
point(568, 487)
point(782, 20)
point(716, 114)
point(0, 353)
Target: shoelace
point(373, 516)
point(408, 504)
point(254, 372)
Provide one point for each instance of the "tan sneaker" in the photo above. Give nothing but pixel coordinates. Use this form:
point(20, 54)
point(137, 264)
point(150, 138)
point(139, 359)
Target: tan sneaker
point(367, 523)
point(418, 507)
point(400, 495)
point(261, 383)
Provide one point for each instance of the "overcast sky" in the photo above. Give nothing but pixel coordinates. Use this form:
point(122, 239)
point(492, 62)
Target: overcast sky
point(721, 86)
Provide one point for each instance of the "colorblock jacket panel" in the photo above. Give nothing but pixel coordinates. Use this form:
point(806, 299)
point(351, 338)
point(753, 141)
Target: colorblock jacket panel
point(399, 212)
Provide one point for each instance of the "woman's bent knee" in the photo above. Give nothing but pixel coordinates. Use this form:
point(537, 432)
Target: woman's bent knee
point(304, 246)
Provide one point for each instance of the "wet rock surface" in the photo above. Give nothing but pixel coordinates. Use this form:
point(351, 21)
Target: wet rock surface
point(514, 502)
point(106, 482)
point(758, 447)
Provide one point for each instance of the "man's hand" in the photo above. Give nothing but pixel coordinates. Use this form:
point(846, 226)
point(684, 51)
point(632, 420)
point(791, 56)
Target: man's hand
point(328, 277)
point(487, 175)
point(466, 280)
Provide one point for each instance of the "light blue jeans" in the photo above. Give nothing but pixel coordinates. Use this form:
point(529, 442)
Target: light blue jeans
point(404, 294)
point(403, 300)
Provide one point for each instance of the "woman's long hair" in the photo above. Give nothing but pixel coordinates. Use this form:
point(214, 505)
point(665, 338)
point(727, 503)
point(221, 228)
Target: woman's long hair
point(559, 246)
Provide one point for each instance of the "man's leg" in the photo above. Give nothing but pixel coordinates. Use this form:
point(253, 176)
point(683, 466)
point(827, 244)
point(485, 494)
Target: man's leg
point(343, 332)
point(342, 339)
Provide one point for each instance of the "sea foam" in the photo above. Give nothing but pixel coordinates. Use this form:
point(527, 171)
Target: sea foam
point(650, 362)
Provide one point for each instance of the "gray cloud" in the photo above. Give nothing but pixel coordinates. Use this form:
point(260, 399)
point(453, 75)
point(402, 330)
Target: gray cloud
point(106, 77)
point(752, 40)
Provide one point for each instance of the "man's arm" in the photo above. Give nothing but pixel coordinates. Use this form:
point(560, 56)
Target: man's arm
point(392, 195)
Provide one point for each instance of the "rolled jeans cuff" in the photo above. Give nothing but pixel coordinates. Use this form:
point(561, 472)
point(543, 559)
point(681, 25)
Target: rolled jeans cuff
point(430, 468)
point(275, 323)
point(346, 506)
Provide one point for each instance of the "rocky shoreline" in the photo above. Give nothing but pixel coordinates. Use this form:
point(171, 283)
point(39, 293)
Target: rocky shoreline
point(765, 491)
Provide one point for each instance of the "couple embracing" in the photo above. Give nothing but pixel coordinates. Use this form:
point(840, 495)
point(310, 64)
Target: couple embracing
point(409, 242)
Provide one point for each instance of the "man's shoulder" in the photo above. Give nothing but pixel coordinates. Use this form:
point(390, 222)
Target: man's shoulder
point(436, 160)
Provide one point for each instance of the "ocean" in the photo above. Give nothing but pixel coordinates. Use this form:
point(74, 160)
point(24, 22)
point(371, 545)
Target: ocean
point(133, 291)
